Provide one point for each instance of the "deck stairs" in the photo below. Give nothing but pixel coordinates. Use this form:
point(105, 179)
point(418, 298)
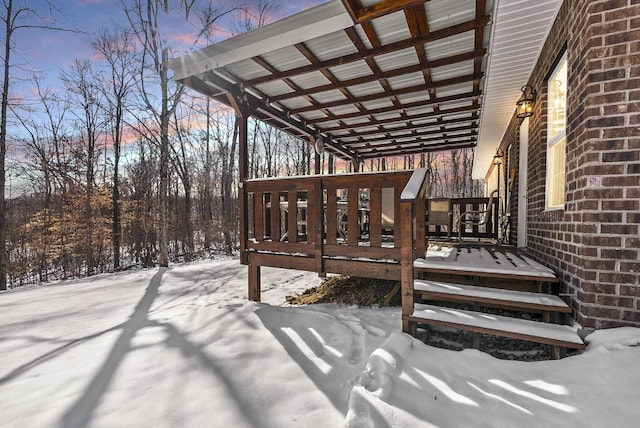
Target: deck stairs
point(488, 289)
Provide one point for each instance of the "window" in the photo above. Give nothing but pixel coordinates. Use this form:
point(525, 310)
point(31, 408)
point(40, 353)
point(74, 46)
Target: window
point(556, 135)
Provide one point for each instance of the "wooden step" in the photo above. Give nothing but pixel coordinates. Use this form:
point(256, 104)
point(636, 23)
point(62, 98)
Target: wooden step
point(532, 331)
point(486, 262)
point(490, 296)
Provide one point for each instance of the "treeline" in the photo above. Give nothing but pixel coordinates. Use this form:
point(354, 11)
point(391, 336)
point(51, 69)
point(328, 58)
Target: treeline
point(70, 222)
point(115, 165)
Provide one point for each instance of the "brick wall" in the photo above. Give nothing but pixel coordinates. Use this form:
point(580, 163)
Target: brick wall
point(594, 243)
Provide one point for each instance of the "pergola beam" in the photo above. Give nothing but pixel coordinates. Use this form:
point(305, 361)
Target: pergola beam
point(385, 49)
point(386, 94)
point(361, 14)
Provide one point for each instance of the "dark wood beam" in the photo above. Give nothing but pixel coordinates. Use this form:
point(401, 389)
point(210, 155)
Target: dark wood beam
point(385, 49)
point(382, 8)
point(257, 105)
point(408, 118)
point(446, 145)
point(392, 143)
point(394, 108)
point(387, 94)
point(467, 56)
point(410, 133)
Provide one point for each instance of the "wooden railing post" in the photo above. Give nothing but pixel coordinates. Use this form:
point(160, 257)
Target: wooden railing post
point(316, 219)
point(406, 262)
point(410, 200)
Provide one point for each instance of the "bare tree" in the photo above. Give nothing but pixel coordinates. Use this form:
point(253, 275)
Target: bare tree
point(41, 145)
point(117, 50)
point(81, 83)
point(143, 16)
point(181, 161)
point(18, 15)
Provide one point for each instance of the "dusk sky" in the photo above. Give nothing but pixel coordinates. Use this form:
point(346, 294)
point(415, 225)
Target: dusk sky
point(49, 52)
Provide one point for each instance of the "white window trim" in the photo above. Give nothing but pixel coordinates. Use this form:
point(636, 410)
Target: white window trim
point(552, 142)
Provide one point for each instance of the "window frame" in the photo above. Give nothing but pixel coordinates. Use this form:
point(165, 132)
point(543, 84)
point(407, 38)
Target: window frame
point(556, 139)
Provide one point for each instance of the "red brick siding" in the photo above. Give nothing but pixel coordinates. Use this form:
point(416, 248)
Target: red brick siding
point(593, 244)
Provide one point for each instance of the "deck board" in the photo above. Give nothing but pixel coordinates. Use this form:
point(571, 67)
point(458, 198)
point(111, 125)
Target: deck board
point(483, 261)
point(494, 296)
point(552, 334)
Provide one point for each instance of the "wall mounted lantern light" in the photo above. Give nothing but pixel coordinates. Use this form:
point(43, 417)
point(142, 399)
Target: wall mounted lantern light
point(497, 161)
point(524, 105)
point(497, 158)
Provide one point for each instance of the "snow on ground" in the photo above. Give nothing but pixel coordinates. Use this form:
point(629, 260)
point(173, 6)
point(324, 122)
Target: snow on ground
point(182, 347)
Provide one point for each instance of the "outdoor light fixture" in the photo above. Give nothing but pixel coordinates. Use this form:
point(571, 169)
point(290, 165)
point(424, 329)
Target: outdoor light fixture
point(497, 161)
point(318, 145)
point(497, 158)
point(524, 105)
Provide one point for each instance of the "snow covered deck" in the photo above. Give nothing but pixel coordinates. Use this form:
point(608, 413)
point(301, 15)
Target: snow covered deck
point(551, 334)
point(494, 296)
point(483, 260)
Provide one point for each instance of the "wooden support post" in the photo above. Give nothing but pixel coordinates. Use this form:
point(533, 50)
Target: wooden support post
point(292, 213)
point(243, 169)
point(316, 223)
point(421, 233)
point(318, 164)
point(406, 263)
point(254, 282)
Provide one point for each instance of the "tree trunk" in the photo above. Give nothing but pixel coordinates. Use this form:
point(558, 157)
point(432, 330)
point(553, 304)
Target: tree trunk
point(3, 147)
point(163, 257)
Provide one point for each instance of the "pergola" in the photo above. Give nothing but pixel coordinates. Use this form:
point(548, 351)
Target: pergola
point(365, 79)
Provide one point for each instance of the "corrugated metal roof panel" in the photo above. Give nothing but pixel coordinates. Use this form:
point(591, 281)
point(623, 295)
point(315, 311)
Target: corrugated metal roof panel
point(331, 46)
point(397, 59)
point(285, 58)
point(445, 13)
point(311, 115)
point(458, 116)
point(366, 89)
point(329, 96)
point(456, 89)
point(295, 103)
point(391, 28)
point(247, 69)
point(406, 81)
point(272, 89)
point(351, 70)
point(449, 46)
point(452, 70)
point(518, 26)
point(454, 104)
point(346, 109)
point(377, 104)
point(310, 80)
point(357, 121)
point(390, 115)
point(414, 97)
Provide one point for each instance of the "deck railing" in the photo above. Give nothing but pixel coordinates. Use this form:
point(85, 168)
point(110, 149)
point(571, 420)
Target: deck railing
point(348, 223)
point(316, 218)
point(482, 229)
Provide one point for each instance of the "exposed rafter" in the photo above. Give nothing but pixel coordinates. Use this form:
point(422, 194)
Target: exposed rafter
point(382, 50)
point(400, 80)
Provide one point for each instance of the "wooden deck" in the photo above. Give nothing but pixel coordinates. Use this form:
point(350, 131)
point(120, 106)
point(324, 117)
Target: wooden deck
point(342, 224)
